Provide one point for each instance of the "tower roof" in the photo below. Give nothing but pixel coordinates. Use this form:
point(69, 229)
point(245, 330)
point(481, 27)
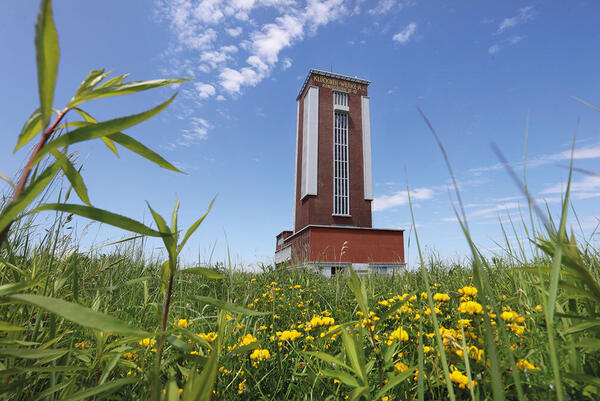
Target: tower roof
point(331, 75)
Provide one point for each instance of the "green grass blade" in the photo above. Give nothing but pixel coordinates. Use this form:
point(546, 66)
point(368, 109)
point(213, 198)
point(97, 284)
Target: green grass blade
point(101, 129)
point(328, 358)
point(204, 272)
point(227, 306)
point(101, 389)
point(394, 381)
point(103, 216)
point(47, 56)
point(28, 353)
point(195, 226)
point(13, 209)
point(79, 314)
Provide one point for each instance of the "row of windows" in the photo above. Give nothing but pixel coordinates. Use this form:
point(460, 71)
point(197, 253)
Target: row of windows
point(341, 189)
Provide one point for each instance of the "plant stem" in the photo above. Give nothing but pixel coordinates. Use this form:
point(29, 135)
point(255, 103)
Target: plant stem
point(29, 166)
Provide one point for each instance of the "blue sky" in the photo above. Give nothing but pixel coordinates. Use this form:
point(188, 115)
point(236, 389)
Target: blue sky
point(475, 68)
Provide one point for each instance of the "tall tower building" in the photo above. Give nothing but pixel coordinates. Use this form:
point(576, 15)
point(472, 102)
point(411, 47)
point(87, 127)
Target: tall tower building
point(334, 185)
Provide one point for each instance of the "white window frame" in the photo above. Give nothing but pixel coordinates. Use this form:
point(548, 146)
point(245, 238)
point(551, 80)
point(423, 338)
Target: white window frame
point(341, 165)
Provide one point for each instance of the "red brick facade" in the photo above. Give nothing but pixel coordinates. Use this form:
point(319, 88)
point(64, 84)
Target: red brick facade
point(319, 209)
point(319, 235)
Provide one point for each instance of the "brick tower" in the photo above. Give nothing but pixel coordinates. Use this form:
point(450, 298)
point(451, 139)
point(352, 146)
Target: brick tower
point(334, 185)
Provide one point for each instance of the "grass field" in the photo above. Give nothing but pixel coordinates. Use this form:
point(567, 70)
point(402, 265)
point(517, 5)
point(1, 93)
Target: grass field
point(293, 334)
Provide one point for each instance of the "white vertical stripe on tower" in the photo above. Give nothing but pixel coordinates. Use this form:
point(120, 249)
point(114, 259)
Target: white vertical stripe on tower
point(296, 161)
point(310, 142)
point(366, 131)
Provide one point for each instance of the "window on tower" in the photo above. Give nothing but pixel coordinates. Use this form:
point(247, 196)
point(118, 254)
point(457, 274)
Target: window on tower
point(340, 99)
point(341, 190)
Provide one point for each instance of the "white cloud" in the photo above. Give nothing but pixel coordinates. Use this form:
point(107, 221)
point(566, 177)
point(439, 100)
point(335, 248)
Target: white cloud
point(590, 151)
point(513, 40)
point(203, 31)
point(385, 6)
point(589, 187)
point(235, 32)
point(400, 198)
point(192, 136)
point(405, 34)
point(523, 15)
point(204, 90)
point(286, 63)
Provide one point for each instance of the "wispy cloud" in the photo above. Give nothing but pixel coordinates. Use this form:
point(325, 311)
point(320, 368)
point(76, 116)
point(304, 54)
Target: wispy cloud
point(400, 198)
point(588, 151)
point(524, 14)
point(385, 6)
point(405, 34)
point(513, 40)
point(587, 188)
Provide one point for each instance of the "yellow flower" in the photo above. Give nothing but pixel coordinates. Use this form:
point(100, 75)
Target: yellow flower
point(147, 342)
point(538, 308)
point(259, 355)
point(470, 307)
point(459, 378)
point(468, 292)
point(182, 323)
point(242, 387)
point(290, 335)
point(247, 340)
point(398, 334)
point(400, 367)
point(385, 398)
point(523, 364)
point(509, 316)
point(210, 337)
point(82, 345)
point(440, 297)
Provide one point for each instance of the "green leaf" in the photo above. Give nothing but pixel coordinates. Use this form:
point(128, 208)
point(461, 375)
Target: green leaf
point(174, 219)
point(91, 120)
point(101, 129)
point(352, 352)
point(13, 209)
point(394, 382)
point(103, 388)
point(73, 176)
point(327, 358)
point(194, 226)
point(47, 55)
point(4, 326)
point(102, 216)
point(93, 78)
point(169, 241)
point(200, 387)
point(122, 89)
point(28, 353)
point(79, 314)
point(137, 147)
point(179, 344)
point(226, 306)
point(204, 272)
point(342, 376)
point(125, 284)
point(31, 128)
